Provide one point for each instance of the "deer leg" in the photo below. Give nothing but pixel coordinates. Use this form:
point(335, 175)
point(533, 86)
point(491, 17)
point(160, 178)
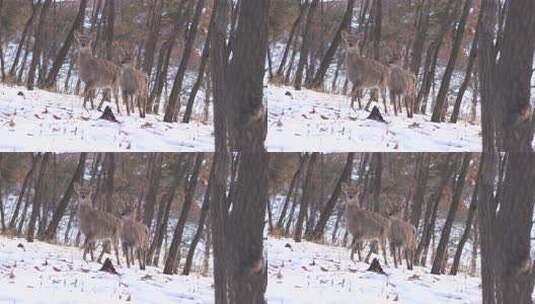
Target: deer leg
point(393, 252)
point(91, 249)
point(383, 94)
point(383, 245)
point(393, 100)
point(367, 259)
point(86, 243)
point(116, 248)
point(99, 260)
point(125, 253)
point(353, 244)
point(359, 247)
point(117, 101)
point(141, 267)
point(139, 106)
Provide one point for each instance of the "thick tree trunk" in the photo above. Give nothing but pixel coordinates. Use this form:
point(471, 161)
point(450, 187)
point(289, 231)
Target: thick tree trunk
point(27, 180)
point(422, 177)
point(155, 172)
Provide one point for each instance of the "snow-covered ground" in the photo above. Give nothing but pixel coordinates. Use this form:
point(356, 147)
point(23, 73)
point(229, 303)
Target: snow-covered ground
point(298, 121)
point(298, 273)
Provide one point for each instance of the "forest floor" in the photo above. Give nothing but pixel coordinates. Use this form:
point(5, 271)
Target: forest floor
point(297, 120)
point(303, 272)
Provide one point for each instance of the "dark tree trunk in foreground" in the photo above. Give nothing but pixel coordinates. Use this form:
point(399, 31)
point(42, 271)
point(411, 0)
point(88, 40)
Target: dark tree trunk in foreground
point(291, 189)
point(38, 44)
point(27, 180)
point(62, 205)
point(305, 45)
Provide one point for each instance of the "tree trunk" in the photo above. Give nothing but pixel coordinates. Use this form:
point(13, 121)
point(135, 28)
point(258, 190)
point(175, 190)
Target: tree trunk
point(306, 198)
point(62, 205)
point(60, 58)
point(154, 184)
point(25, 32)
point(38, 43)
point(200, 227)
point(328, 209)
point(173, 107)
point(422, 28)
point(293, 30)
point(292, 186)
point(468, 74)
point(27, 180)
point(171, 264)
point(305, 45)
point(441, 104)
point(422, 177)
point(38, 197)
point(345, 24)
point(440, 257)
point(467, 227)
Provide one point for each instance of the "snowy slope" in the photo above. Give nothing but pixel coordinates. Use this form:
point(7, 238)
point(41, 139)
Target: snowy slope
point(298, 121)
point(298, 273)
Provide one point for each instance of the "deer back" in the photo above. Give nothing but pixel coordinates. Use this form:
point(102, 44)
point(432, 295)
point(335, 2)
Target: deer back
point(134, 234)
point(98, 224)
point(366, 72)
point(401, 81)
point(365, 224)
point(402, 233)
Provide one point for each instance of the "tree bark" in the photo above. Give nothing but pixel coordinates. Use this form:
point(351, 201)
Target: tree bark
point(38, 197)
point(305, 45)
point(38, 44)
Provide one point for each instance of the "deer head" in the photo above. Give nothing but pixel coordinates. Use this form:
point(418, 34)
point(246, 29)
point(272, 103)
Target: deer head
point(351, 42)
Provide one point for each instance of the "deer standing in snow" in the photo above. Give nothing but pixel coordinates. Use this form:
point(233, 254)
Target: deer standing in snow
point(94, 72)
point(365, 225)
point(402, 235)
point(364, 73)
point(96, 225)
point(134, 84)
point(402, 84)
point(134, 237)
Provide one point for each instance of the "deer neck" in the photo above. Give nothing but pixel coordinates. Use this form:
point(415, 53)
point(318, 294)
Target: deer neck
point(84, 57)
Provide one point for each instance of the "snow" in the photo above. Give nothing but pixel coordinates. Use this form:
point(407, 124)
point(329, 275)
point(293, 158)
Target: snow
point(298, 273)
point(297, 120)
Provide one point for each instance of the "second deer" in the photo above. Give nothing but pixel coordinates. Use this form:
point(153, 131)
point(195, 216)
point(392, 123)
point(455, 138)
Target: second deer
point(134, 84)
point(402, 84)
point(402, 235)
point(134, 237)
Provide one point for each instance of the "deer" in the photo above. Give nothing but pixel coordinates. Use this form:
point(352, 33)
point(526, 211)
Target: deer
point(134, 84)
point(402, 83)
point(402, 235)
point(134, 236)
point(94, 72)
point(365, 225)
point(96, 224)
point(364, 73)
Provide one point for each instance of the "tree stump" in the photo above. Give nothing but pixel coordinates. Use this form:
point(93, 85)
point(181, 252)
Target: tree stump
point(108, 115)
point(375, 266)
point(376, 115)
point(108, 267)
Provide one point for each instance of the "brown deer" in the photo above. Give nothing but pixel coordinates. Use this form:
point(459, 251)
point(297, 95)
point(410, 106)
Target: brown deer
point(94, 72)
point(365, 225)
point(402, 83)
point(402, 235)
point(96, 225)
point(364, 73)
point(134, 84)
point(134, 236)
